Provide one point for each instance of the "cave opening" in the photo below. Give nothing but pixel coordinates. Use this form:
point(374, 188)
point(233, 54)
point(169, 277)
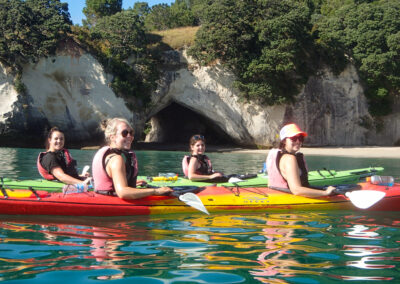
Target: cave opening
point(175, 124)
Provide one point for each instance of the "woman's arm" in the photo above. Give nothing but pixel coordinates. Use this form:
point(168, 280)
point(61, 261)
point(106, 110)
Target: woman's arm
point(116, 170)
point(63, 177)
point(193, 165)
point(290, 171)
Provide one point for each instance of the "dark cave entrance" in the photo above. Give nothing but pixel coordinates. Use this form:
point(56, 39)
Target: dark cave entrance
point(175, 124)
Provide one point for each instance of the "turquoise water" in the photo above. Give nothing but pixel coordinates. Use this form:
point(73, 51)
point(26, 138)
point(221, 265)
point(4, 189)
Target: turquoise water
point(293, 247)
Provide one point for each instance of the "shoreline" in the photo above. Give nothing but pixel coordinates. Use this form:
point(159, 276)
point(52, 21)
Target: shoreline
point(356, 152)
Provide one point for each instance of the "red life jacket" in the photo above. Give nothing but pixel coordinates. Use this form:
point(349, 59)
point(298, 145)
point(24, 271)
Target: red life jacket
point(43, 172)
point(275, 178)
point(205, 165)
point(102, 181)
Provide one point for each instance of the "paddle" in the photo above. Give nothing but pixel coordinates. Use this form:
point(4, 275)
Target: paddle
point(85, 170)
point(187, 196)
point(362, 199)
point(3, 191)
point(234, 180)
point(194, 201)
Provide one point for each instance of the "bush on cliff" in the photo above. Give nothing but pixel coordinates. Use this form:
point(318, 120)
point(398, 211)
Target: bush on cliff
point(31, 29)
point(272, 46)
point(368, 34)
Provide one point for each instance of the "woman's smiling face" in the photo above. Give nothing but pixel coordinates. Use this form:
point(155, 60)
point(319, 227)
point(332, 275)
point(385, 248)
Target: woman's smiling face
point(123, 138)
point(198, 148)
point(293, 144)
point(56, 141)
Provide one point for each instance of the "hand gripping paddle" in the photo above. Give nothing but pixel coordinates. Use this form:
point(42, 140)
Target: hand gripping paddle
point(186, 195)
point(362, 199)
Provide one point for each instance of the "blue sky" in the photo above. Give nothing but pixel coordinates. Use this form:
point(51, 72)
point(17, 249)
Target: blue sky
point(75, 7)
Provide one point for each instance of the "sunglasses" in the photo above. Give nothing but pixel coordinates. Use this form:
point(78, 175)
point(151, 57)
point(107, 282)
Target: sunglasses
point(124, 133)
point(198, 137)
point(297, 138)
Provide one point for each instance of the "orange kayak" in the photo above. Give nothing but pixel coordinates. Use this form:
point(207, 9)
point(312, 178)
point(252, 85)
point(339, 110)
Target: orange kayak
point(214, 198)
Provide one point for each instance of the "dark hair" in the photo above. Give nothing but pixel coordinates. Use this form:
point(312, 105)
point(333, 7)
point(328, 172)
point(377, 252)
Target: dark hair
point(49, 134)
point(195, 138)
point(282, 144)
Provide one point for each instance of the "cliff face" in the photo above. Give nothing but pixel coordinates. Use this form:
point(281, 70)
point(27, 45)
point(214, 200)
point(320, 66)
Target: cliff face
point(332, 109)
point(8, 95)
point(71, 90)
point(208, 91)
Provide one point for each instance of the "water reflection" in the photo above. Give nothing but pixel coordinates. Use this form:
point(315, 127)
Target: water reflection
point(9, 162)
point(265, 248)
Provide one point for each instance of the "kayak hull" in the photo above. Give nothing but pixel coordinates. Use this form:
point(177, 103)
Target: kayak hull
point(215, 198)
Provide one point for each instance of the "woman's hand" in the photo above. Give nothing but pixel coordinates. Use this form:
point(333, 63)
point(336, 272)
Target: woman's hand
point(329, 190)
point(63, 177)
point(162, 190)
point(141, 183)
point(86, 176)
point(215, 175)
point(88, 180)
point(85, 172)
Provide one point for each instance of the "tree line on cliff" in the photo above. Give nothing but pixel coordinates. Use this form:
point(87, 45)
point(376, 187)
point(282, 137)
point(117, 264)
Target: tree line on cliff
point(272, 46)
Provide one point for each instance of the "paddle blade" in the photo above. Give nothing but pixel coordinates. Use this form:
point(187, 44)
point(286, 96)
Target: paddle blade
point(234, 180)
point(364, 199)
point(85, 170)
point(194, 201)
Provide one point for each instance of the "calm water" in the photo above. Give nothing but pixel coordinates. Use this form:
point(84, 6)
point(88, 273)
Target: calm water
point(293, 247)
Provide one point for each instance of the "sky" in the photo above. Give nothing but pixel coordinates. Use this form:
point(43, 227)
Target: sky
point(75, 7)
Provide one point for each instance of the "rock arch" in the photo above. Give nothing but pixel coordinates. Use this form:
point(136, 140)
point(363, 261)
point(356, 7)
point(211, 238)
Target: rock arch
point(175, 124)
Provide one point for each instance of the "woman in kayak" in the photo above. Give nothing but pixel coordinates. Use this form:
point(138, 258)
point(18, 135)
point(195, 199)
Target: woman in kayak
point(198, 166)
point(115, 166)
point(57, 163)
point(287, 170)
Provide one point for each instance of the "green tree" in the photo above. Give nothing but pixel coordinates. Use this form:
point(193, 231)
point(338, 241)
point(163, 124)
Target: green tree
point(197, 7)
point(367, 32)
point(162, 16)
point(96, 9)
point(123, 32)
point(121, 38)
point(141, 9)
point(265, 43)
point(31, 29)
point(181, 15)
point(159, 17)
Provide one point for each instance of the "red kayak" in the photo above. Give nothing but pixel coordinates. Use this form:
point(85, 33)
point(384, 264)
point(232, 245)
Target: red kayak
point(214, 199)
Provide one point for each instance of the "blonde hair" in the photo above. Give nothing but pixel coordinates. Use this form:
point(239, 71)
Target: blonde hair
point(109, 126)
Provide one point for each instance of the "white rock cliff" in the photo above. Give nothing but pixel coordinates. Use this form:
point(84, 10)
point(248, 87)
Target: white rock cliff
point(71, 90)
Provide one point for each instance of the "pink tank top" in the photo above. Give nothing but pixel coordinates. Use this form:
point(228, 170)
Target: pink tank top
point(275, 178)
point(101, 179)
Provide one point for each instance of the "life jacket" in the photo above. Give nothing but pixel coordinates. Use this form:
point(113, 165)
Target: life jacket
point(205, 165)
point(70, 163)
point(275, 178)
point(101, 179)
